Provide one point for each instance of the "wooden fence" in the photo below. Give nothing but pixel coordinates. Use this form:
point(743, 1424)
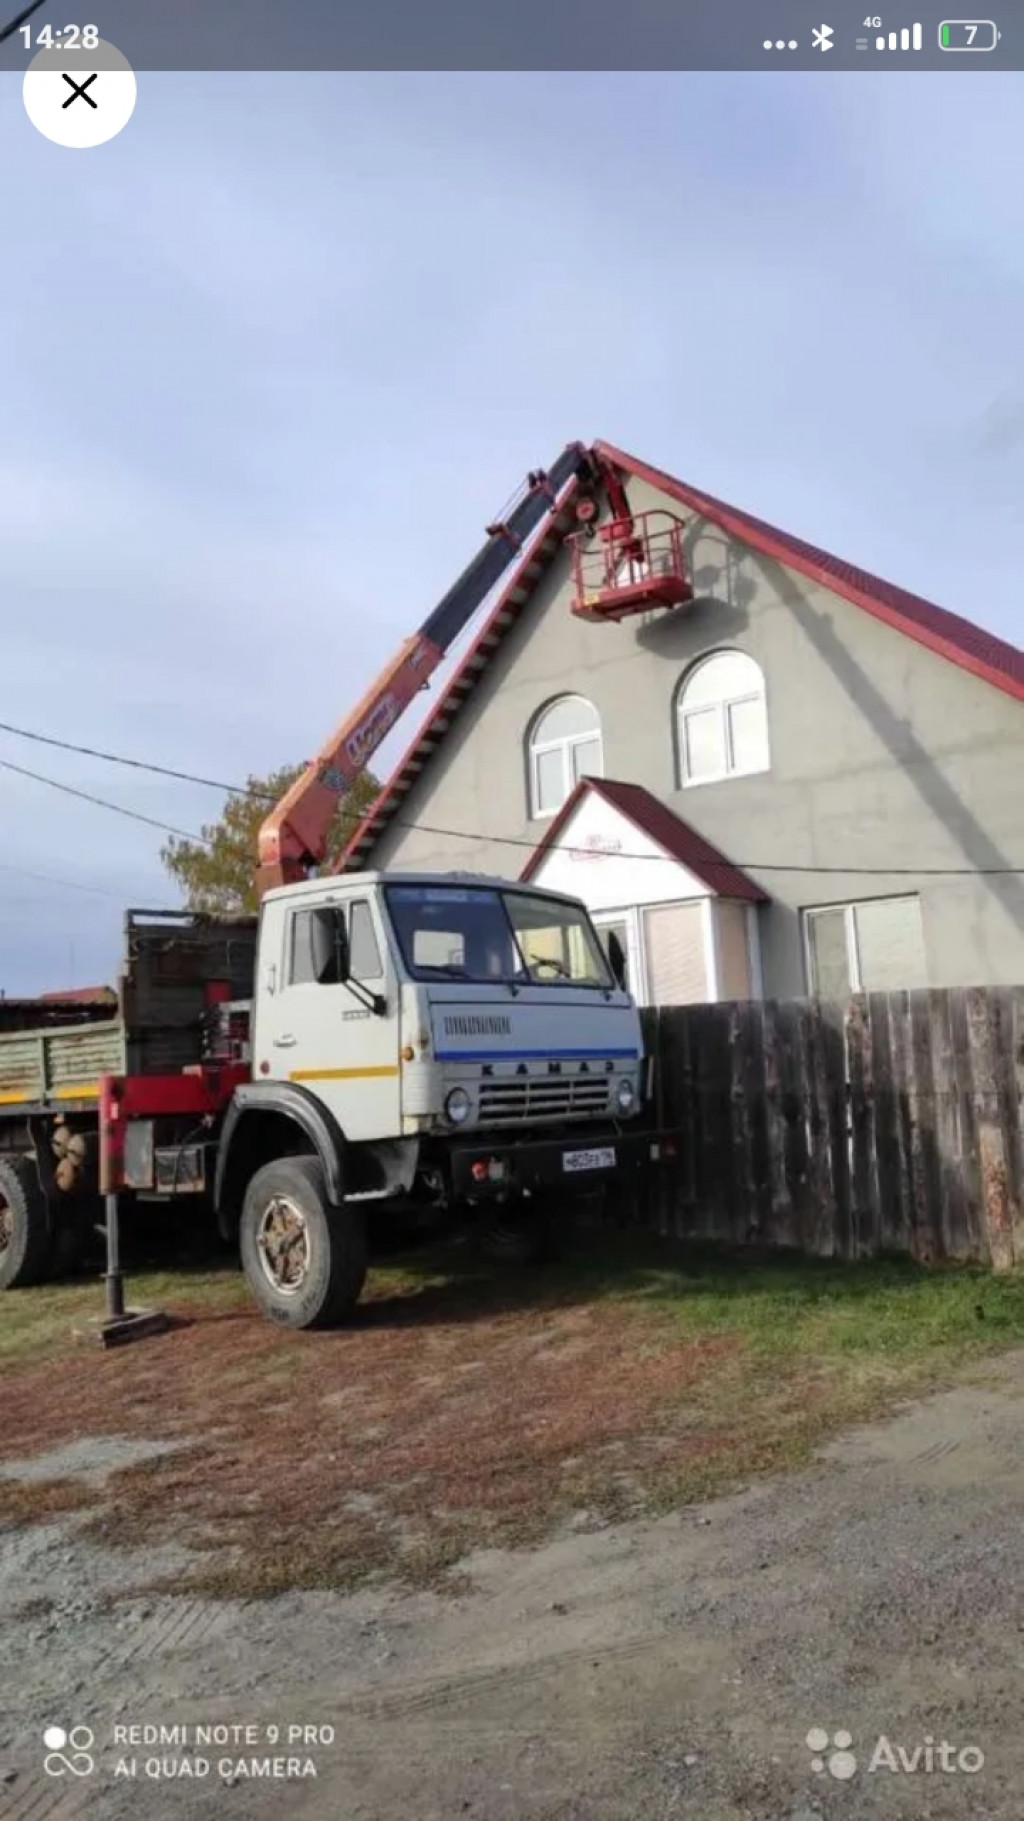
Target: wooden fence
point(894, 1123)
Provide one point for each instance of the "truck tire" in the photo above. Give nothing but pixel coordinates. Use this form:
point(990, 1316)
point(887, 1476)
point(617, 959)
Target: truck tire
point(305, 1260)
point(25, 1234)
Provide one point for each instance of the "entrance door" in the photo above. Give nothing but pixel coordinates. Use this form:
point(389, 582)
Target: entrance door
point(623, 925)
point(323, 1036)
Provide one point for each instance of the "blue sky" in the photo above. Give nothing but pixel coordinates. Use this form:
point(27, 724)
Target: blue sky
point(276, 354)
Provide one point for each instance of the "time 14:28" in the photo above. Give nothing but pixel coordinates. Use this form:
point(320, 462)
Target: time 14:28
point(72, 38)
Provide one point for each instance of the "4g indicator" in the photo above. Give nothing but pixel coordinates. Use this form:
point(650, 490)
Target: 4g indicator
point(968, 35)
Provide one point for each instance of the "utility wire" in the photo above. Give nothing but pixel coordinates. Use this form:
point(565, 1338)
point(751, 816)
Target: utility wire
point(71, 885)
point(116, 758)
point(8, 31)
point(457, 834)
point(119, 809)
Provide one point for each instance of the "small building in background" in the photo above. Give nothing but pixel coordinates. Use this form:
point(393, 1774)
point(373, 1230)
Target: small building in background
point(76, 1005)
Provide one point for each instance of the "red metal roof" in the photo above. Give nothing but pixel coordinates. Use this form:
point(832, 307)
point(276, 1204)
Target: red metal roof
point(963, 644)
point(678, 840)
point(954, 638)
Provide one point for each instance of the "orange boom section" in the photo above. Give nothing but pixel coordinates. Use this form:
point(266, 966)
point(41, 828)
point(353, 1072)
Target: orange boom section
point(293, 839)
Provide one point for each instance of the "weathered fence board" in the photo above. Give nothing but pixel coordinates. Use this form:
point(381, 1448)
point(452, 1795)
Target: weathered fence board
point(894, 1123)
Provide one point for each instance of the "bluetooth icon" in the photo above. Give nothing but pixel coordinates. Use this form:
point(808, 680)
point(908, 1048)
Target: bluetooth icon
point(821, 38)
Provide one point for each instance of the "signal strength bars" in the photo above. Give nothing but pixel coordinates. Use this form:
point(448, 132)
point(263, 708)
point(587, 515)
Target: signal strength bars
point(910, 37)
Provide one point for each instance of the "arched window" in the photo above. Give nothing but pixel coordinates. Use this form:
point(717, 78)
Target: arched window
point(723, 719)
point(565, 746)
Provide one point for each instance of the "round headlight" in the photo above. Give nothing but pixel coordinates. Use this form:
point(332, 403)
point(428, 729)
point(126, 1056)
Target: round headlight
point(625, 1096)
point(457, 1107)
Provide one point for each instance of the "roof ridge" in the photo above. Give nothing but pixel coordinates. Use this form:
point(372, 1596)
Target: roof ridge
point(949, 635)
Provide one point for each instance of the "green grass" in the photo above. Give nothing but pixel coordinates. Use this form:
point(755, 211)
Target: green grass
point(646, 1375)
point(794, 1307)
point(782, 1305)
point(33, 1322)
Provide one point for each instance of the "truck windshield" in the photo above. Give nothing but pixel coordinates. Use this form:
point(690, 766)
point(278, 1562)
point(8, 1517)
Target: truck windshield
point(481, 934)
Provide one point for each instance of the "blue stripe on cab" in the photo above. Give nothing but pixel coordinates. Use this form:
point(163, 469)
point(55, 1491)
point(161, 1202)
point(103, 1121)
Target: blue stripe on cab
point(535, 1055)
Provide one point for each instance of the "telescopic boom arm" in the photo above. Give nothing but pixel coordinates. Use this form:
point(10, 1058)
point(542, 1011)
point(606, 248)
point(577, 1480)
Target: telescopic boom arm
point(293, 839)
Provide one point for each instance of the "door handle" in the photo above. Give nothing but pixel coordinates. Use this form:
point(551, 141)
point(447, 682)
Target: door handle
point(285, 1043)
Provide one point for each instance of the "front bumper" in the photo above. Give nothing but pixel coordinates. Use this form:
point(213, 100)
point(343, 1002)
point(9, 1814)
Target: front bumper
point(482, 1171)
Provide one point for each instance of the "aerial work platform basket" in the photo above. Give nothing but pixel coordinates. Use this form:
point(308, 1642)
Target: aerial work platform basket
point(628, 565)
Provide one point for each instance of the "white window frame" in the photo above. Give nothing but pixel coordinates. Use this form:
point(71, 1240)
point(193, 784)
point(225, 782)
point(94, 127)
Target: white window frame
point(754, 953)
point(850, 925)
point(636, 948)
point(566, 745)
point(712, 956)
point(708, 938)
point(721, 708)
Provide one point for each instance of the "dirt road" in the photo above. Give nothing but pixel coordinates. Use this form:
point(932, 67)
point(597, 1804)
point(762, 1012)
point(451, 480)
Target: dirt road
point(653, 1669)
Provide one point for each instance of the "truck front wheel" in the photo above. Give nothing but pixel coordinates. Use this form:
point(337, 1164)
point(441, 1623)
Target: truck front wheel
point(25, 1238)
point(305, 1260)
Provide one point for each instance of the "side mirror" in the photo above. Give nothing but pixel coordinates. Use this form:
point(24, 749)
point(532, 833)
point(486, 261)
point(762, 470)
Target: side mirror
point(617, 960)
point(329, 944)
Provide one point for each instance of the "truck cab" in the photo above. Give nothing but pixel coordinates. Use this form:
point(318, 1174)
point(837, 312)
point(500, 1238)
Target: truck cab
point(452, 1039)
point(434, 1004)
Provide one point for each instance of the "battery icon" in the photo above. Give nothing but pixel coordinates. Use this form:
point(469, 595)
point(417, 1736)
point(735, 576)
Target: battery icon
point(968, 35)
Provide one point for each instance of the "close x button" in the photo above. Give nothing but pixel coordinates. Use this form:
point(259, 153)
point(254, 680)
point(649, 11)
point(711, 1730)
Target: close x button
point(80, 98)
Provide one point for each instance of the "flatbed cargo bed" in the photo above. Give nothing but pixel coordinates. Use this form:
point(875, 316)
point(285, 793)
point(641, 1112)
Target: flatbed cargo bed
point(156, 1025)
point(61, 1066)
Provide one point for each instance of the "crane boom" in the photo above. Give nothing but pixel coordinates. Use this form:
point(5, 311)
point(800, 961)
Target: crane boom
point(294, 836)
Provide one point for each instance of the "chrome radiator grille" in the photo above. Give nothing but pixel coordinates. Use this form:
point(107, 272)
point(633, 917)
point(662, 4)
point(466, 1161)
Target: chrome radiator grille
point(541, 1097)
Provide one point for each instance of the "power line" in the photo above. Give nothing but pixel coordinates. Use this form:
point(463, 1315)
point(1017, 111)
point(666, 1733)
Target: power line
point(119, 809)
point(746, 866)
point(116, 758)
point(71, 885)
point(453, 834)
point(7, 31)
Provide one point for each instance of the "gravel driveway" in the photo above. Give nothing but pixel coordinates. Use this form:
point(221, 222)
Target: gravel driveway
point(660, 1669)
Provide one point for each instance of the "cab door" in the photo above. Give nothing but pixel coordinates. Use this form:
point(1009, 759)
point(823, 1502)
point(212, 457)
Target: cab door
point(323, 1032)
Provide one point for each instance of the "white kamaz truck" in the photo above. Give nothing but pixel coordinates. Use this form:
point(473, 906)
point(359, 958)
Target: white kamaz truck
point(435, 1039)
point(367, 1040)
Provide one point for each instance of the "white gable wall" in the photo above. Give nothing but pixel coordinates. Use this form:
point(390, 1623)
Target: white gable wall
point(677, 935)
point(603, 858)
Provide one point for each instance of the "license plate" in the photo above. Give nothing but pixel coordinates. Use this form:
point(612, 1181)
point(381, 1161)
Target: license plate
point(602, 1158)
